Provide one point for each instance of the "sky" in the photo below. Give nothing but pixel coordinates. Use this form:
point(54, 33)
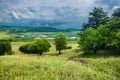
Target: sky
point(53, 13)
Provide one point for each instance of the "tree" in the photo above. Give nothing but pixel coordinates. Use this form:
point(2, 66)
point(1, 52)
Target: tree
point(93, 39)
point(60, 42)
point(88, 39)
point(85, 26)
point(96, 18)
point(38, 47)
point(116, 13)
point(114, 23)
point(115, 41)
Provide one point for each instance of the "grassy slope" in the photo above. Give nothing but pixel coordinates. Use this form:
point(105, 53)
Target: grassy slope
point(57, 67)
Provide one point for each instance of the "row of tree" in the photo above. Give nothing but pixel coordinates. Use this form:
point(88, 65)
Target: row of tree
point(101, 31)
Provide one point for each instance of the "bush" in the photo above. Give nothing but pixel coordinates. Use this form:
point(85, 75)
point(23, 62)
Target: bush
point(23, 48)
point(38, 47)
point(5, 47)
point(69, 47)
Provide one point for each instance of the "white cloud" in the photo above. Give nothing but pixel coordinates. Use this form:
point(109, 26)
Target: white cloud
point(15, 15)
point(115, 7)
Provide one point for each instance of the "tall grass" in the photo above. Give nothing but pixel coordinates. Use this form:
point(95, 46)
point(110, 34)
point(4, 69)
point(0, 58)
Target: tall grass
point(25, 67)
point(51, 66)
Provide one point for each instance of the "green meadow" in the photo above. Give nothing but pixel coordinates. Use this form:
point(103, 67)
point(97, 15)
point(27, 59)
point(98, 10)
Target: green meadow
point(71, 65)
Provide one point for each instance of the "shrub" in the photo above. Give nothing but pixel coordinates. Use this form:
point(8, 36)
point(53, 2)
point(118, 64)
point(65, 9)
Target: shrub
point(38, 47)
point(23, 48)
point(69, 47)
point(5, 47)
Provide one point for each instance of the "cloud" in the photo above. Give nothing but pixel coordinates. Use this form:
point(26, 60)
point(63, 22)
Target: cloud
point(0, 20)
point(15, 14)
point(52, 9)
point(49, 8)
point(115, 7)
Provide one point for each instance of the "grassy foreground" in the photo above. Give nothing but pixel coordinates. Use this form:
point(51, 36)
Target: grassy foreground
point(57, 67)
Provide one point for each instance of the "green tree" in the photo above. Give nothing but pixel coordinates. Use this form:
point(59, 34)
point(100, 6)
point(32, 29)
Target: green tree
point(116, 13)
point(114, 41)
point(60, 42)
point(93, 39)
point(114, 23)
point(38, 47)
point(97, 17)
point(85, 25)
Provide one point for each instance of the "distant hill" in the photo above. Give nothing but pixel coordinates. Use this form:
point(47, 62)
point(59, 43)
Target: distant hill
point(71, 29)
point(14, 29)
point(43, 29)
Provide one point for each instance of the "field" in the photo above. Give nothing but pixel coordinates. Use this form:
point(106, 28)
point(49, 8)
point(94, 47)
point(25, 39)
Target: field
point(4, 35)
point(30, 36)
point(71, 65)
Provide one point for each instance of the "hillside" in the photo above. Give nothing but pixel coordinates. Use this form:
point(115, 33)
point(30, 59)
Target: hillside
point(15, 29)
point(43, 29)
point(52, 66)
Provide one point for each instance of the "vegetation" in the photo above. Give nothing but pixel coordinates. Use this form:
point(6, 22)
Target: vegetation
point(52, 67)
point(93, 39)
point(116, 13)
point(43, 29)
point(18, 29)
point(37, 47)
point(5, 37)
point(60, 42)
point(31, 36)
point(105, 36)
point(113, 23)
point(97, 17)
point(5, 47)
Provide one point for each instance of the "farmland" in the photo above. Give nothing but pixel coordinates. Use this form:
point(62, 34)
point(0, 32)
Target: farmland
point(31, 36)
